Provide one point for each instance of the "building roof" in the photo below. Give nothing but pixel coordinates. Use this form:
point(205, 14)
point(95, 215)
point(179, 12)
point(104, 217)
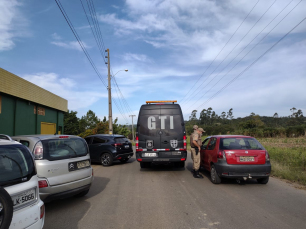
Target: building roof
point(14, 85)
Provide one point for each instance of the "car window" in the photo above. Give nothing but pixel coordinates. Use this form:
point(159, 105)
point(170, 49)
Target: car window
point(240, 143)
point(212, 144)
point(57, 149)
point(88, 140)
point(16, 163)
point(205, 142)
point(26, 143)
point(97, 140)
point(121, 140)
point(4, 137)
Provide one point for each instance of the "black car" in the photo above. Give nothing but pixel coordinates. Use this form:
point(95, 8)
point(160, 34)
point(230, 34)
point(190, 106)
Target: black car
point(106, 148)
point(160, 134)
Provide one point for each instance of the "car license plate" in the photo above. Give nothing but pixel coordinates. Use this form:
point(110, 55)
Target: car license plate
point(149, 155)
point(247, 159)
point(24, 198)
point(176, 153)
point(83, 164)
point(126, 146)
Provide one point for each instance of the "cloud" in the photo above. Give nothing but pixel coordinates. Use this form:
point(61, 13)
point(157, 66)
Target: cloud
point(274, 84)
point(12, 24)
point(70, 45)
point(199, 28)
point(66, 88)
point(55, 36)
point(136, 57)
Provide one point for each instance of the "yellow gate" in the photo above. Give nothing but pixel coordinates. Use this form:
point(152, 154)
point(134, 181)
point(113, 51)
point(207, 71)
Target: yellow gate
point(47, 128)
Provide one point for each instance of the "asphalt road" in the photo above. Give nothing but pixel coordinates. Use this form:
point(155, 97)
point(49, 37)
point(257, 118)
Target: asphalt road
point(125, 196)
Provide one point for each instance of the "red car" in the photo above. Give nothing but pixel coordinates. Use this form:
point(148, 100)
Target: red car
point(235, 156)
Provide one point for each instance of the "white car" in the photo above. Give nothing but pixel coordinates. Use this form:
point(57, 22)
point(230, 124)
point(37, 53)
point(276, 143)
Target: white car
point(20, 204)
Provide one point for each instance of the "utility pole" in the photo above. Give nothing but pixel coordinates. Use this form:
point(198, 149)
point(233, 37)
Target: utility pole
point(110, 118)
point(132, 126)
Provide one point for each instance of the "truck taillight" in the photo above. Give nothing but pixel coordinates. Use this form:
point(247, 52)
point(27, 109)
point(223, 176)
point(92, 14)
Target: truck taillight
point(221, 155)
point(137, 143)
point(185, 142)
point(267, 156)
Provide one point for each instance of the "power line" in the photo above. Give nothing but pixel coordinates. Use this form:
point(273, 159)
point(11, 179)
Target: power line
point(235, 78)
point(244, 49)
point(93, 14)
point(100, 43)
point(233, 49)
point(98, 36)
point(80, 42)
point(220, 50)
point(101, 39)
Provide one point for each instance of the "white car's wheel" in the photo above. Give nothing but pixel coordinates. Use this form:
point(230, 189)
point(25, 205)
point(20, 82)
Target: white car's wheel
point(6, 209)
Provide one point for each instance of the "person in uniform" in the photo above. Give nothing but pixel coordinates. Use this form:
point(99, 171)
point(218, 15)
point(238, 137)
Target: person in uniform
point(195, 143)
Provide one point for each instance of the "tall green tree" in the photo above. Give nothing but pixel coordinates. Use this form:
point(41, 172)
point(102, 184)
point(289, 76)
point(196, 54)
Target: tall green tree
point(71, 123)
point(193, 116)
point(89, 121)
point(230, 115)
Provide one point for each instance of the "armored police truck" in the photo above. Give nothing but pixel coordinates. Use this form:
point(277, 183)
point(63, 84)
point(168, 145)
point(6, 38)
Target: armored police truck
point(160, 134)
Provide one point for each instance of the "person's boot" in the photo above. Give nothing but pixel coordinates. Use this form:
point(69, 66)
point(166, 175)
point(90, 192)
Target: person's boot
point(197, 175)
point(194, 173)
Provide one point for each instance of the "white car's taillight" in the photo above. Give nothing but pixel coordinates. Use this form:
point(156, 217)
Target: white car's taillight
point(38, 151)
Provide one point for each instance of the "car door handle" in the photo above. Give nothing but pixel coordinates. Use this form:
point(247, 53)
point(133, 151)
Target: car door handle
point(165, 142)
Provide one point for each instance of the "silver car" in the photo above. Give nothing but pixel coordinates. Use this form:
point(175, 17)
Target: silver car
point(63, 165)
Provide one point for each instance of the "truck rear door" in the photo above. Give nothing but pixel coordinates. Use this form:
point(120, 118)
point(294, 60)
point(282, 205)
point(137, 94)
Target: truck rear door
point(149, 127)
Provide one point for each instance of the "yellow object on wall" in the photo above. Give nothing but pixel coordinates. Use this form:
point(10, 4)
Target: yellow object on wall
point(47, 128)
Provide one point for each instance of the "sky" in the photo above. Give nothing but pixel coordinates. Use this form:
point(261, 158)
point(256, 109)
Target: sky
point(245, 55)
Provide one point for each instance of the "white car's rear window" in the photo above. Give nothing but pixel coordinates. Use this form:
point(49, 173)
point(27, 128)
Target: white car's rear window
point(57, 149)
point(16, 164)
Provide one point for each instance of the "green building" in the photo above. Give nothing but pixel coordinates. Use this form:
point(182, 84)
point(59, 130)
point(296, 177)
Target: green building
point(28, 109)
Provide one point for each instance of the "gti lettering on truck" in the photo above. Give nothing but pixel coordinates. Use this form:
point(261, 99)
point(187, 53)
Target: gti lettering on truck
point(152, 122)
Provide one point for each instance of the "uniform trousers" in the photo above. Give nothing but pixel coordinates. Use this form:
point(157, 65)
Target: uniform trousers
point(196, 159)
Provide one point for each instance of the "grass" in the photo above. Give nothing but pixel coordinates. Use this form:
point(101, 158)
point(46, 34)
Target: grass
point(288, 157)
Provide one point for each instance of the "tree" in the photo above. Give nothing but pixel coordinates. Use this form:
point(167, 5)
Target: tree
point(223, 115)
point(230, 114)
point(255, 122)
point(71, 123)
point(203, 117)
point(293, 109)
point(275, 117)
point(193, 115)
point(89, 121)
point(299, 114)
